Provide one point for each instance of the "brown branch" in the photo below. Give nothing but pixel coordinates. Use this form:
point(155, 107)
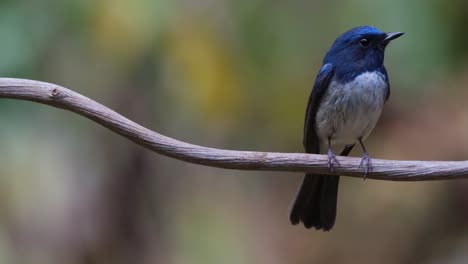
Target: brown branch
point(57, 96)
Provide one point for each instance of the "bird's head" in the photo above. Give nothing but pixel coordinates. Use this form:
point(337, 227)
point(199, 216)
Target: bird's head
point(362, 47)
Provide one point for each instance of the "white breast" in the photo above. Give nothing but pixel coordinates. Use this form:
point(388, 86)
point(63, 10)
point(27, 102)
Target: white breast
point(350, 111)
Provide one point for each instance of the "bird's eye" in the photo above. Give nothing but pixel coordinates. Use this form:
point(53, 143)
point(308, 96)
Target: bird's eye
point(364, 42)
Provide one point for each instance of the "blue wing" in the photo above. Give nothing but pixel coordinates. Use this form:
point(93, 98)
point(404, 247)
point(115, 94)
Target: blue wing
point(311, 141)
point(384, 71)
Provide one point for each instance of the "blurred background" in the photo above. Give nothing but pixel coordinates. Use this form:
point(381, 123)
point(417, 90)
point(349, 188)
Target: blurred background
point(230, 74)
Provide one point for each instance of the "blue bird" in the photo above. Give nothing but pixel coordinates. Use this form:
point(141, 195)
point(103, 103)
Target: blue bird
point(344, 106)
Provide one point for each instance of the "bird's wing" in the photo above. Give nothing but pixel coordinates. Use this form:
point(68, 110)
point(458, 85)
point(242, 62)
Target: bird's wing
point(387, 95)
point(311, 141)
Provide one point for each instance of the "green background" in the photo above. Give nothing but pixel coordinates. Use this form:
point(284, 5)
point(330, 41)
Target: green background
point(226, 74)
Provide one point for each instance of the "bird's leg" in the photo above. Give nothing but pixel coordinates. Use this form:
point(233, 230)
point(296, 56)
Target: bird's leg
point(331, 157)
point(365, 161)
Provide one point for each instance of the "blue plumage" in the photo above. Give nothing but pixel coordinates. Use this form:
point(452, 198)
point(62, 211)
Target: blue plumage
point(344, 106)
point(349, 57)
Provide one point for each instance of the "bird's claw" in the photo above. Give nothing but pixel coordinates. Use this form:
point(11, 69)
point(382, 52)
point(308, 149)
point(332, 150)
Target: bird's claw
point(366, 164)
point(332, 160)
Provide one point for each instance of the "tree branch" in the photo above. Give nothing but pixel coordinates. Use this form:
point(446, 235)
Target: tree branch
point(60, 97)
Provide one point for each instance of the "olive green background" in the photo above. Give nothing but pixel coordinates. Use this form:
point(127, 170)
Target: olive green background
point(227, 74)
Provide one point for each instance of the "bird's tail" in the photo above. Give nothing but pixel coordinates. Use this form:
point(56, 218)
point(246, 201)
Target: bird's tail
point(315, 203)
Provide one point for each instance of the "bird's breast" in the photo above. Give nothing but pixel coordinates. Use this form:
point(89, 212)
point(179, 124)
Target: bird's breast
point(349, 111)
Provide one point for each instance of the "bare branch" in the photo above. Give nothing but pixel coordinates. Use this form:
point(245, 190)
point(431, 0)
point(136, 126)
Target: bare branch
point(57, 96)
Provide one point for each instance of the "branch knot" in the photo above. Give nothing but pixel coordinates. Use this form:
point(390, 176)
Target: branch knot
point(56, 94)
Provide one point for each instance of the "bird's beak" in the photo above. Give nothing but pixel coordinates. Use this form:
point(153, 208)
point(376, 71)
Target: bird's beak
point(391, 36)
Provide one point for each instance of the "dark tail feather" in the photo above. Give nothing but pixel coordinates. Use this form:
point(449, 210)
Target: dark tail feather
point(315, 204)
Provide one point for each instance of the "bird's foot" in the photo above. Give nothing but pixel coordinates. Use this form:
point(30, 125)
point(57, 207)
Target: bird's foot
point(332, 160)
point(366, 164)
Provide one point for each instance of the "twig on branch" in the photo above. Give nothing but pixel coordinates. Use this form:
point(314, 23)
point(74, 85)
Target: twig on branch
point(60, 97)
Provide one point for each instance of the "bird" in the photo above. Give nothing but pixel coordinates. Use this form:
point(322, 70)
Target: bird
point(344, 106)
